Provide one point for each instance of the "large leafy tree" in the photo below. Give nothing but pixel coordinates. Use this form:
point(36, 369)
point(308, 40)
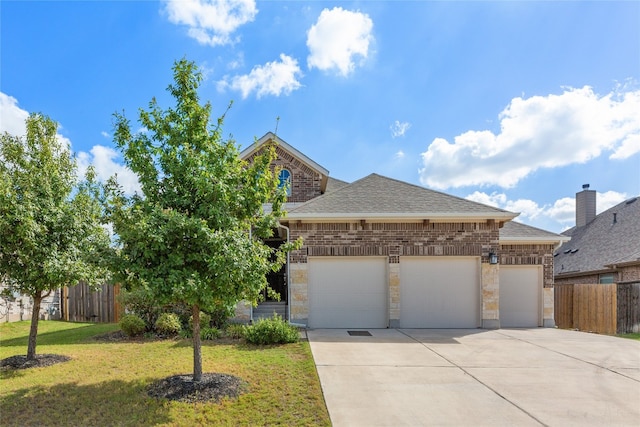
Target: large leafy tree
point(194, 234)
point(50, 225)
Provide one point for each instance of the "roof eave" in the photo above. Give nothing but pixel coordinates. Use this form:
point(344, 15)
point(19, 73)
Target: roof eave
point(536, 240)
point(431, 216)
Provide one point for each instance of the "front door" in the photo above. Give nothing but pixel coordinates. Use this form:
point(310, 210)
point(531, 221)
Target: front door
point(277, 280)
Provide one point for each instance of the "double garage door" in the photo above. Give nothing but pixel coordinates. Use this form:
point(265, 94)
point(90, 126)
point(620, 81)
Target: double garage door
point(352, 292)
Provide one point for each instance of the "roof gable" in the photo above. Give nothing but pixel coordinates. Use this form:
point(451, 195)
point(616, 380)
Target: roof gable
point(602, 242)
point(379, 197)
point(271, 137)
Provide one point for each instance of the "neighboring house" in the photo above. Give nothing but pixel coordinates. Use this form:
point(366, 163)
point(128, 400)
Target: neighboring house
point(15, 307)
point(604, 248)
point(380, 253)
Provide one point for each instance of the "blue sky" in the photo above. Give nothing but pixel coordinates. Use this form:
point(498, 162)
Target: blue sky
point(514, 104)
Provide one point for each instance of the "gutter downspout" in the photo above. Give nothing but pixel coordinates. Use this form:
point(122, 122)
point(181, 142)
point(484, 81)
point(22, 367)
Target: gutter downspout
point(300, 325)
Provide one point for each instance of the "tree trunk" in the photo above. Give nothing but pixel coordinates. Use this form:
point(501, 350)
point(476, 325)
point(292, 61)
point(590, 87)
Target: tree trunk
point(33, 332)
point(197, 345)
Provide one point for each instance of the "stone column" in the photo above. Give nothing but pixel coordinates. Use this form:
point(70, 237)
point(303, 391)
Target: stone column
point(299, 304)
point(490, 296)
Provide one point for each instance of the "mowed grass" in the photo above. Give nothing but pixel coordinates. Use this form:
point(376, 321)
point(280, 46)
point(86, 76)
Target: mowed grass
point(631, 335)
point(105, 383)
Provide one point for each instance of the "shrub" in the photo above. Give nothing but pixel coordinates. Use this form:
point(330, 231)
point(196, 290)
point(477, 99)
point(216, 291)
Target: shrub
point(205, 321)
point(220, 315)
point(235, 330)
point(168, 324)
point(141, 303)
point(274, 330)
point(132, 325)
point(208, 333)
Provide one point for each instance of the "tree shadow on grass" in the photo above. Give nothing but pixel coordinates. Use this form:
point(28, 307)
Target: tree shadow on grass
point(104, 404)
point(74, 335)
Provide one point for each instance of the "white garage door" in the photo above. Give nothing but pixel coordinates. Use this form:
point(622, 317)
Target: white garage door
point(439, 292)
point(520, 293)
point(347, 292)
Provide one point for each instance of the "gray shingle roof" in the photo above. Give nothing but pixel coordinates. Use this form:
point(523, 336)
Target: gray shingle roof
point(515, 232)
point(602, 242)
point(376, 196)
point(334, 184)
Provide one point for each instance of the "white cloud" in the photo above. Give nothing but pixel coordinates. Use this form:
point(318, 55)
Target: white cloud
point(399, 128)
point(399, 155)
point(608, 200)
point(337, 38)
point(539, 132)
point(562, 211)
point(12, 117)
point(273, 78)
point(103, 160)
point(211, 22)
point(105, 134)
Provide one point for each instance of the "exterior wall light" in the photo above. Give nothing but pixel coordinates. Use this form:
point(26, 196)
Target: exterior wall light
point(493, 258)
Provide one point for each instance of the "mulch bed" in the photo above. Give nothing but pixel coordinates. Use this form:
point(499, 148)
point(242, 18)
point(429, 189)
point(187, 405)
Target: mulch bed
point(213, 387)
point(41, 360)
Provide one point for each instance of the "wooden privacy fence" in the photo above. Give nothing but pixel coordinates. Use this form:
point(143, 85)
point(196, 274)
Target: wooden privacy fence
point(603, 308)
point(80, 303)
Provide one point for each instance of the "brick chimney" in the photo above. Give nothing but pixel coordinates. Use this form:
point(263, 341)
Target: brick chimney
point(585, 206)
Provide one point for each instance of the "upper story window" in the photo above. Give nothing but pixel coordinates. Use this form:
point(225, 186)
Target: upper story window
point(606, 278)
point(285, 180)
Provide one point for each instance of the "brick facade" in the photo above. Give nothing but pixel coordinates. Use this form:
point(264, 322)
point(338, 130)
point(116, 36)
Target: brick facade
point(306, 183)
point(624, 274)
point(394, 239)
point(530, 255)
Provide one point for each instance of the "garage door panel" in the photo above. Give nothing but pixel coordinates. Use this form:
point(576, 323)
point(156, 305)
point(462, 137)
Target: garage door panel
point(520, 294)
point(439, 292)
point(347, 292)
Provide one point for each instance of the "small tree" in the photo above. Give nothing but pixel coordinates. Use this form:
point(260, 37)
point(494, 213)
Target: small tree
point(50, 229)
point(194, 235)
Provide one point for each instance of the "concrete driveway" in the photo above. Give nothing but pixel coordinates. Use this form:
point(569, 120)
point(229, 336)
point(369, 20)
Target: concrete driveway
point(476, 377)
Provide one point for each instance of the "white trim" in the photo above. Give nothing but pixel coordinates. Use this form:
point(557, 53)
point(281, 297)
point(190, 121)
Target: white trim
point(533, 239)
point(269, 136)
point(431, 216)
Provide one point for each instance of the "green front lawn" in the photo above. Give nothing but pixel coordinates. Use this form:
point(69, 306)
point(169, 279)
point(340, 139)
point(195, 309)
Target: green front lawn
point(632, 335)
point(105, 382)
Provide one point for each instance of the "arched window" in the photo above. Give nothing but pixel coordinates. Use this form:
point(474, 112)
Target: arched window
point(285, 180)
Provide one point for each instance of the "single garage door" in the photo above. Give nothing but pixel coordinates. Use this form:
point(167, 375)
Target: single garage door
point(439, 292)
point(347, 292)
point(520, 294)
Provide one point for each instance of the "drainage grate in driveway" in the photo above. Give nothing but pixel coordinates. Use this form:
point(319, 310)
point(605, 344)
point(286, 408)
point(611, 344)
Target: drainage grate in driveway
point(359, 333)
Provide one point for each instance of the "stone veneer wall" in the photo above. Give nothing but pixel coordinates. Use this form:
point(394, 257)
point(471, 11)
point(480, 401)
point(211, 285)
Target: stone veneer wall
point(394, 240)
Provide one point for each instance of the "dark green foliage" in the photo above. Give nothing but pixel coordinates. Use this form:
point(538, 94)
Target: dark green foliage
point(235, 330)
point(168, 324)
point(141, 303)
point(132, 325)
point(51, 232)
point(220, 315)
point(273, 330)
point(195, 234)
point(209, 333)
point(205, 321)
